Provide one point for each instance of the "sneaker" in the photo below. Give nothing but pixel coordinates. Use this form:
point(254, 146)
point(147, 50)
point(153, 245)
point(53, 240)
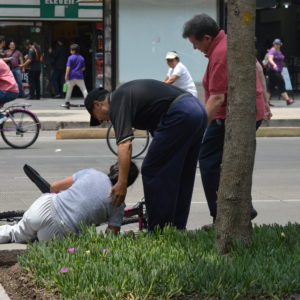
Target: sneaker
point(66, 105)
point(289, 101)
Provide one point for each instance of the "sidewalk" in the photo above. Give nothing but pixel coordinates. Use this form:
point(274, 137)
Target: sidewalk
point(55, 117)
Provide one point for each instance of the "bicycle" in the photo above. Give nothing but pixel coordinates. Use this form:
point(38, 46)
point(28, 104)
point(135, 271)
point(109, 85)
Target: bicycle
point(21, 127)
point(139, 144)
point(134, 214)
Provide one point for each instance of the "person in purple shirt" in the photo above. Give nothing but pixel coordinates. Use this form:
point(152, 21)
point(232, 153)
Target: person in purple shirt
point(275, 66)
point(74, 74)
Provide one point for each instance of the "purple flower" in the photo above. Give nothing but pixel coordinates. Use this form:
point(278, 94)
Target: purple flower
point(71, 250)
point(105, 250)
point(64, 270)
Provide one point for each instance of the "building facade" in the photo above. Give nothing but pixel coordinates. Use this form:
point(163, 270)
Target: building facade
point(45, 21)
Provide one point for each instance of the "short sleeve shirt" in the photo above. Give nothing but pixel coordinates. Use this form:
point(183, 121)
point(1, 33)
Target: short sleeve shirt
point(185, 80)
point(76, 63)
point(140, 104)
point(35, 64)
point(7, 80)
point(215, 80)
point(15, 56)
point(87, 201)
point(278, 58)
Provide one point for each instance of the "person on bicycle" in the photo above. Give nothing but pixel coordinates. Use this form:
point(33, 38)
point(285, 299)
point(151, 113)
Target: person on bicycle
point(8, 86)
point(177, 121)
point(81, 199)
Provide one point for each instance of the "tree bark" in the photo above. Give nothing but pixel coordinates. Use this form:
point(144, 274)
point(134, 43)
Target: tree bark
point(234, 195)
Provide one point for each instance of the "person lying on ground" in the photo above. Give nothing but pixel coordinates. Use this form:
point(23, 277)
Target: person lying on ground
point(80, 199)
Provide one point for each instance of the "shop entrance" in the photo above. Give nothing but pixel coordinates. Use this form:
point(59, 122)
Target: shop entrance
point(80, 33)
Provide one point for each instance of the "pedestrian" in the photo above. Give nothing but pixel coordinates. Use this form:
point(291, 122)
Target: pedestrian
point(177, 121)
point(59, 56)
point(274, 70)
point(206, 36)
point(8, 86)
point(16, 59)
point(2, 45)
point(74, 74)
point(178, 74)
point(33, 64)
point(81, 199)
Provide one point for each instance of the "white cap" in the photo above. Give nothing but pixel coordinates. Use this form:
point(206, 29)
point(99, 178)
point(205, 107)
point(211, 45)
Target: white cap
point(171, 55)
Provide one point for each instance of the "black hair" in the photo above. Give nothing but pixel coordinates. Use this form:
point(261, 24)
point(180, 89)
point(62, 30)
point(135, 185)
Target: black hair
point(200, 25)
point(132, 175)
point(2, 38)
point(98, 94)
point(75, 47)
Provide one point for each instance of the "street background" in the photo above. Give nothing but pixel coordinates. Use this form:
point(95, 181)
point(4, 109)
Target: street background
point(275, 180)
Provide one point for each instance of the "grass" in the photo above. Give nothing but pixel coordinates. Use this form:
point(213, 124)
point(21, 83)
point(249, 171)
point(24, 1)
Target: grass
point(161, 266)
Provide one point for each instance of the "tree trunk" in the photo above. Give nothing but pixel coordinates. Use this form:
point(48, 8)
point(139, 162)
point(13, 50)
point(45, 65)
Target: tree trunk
point(234, 195)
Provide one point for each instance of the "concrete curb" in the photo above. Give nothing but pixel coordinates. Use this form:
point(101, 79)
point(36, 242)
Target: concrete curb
point(278, 132)
point(100, 133)
point(3, 295)
point(9, 253)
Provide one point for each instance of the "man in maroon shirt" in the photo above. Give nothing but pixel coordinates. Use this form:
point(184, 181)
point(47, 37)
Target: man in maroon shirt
point(206, 36)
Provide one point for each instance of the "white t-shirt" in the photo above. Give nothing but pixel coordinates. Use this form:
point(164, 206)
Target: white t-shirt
point(185, 80)
point(87, 201)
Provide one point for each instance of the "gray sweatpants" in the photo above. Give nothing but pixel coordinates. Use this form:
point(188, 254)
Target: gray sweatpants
point(40, 222)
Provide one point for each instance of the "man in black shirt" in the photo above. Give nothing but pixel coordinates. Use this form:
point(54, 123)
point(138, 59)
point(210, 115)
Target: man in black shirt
point(177, 121)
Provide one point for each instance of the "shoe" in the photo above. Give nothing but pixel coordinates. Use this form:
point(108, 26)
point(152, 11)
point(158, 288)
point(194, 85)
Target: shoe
point(29, 98)
point(289, 101)
point(66, 105)
point(57, 96)
point(271, 104)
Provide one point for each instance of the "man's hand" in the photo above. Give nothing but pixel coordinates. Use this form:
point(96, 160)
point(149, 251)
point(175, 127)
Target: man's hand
point(118, 194)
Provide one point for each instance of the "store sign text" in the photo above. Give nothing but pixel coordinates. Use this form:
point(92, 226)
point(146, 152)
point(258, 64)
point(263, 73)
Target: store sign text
point(61, 2)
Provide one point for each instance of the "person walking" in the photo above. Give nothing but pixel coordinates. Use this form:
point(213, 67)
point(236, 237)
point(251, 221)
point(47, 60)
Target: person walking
point(81, 199)
point(178, 74)
point(33, 64)
point(206, 36)
point(177, 121)
point(59, 56)
point(274, 70)
point(16, 59)
point(74, 74)
point(8, 86)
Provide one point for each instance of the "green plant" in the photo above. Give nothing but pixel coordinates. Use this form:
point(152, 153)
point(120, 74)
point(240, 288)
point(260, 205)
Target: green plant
point(160, 266)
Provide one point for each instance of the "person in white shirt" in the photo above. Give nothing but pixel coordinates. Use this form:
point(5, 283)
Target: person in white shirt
point(179, 75)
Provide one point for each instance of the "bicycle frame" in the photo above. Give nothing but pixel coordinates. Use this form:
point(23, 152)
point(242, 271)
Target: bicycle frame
point(23, 107)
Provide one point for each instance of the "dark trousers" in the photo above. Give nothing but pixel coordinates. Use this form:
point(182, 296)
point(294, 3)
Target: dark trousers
point(168, 170)
point(275, 79)
point(57, 81)
point(34, 83)
point(210, 161)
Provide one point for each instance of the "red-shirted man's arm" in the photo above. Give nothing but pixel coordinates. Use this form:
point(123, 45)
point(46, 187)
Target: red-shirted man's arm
point(213, 105)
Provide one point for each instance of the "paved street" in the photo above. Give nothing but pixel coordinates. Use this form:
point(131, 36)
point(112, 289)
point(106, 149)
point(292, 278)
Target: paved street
point(275, 183)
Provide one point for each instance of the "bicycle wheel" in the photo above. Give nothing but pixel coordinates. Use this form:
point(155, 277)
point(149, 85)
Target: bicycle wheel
point(21, 129)
point(11, 214)
point(139, 144)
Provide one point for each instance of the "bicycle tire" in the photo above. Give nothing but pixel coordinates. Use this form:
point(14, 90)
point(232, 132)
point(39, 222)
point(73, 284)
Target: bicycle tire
point(11, 214)
point(21, 129)
point(139, 144)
